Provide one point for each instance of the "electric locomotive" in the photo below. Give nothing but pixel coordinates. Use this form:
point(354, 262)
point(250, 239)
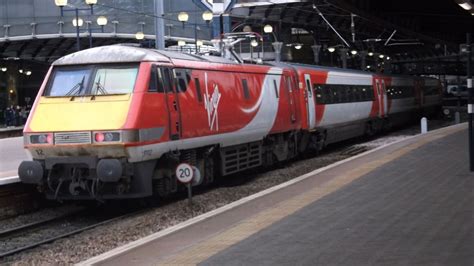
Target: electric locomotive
point(115, 121)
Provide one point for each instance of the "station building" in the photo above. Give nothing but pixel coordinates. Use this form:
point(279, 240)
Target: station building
point(364, 34)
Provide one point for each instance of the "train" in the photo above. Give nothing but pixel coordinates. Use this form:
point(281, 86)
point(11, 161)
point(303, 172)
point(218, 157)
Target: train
point(115, 122)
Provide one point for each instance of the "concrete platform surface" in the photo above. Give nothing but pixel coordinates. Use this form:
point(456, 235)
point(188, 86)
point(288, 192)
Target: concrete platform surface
point(11, 155)
point(409, 203)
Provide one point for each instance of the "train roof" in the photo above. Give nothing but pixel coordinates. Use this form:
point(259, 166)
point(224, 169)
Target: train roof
point(324, 68)
point(133, 54)
point(130, 54)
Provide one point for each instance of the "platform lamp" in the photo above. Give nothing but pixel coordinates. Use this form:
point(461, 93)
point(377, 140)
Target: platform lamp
point(207, 17)
point(183, 17)
point(77, 21)
point(140, 35)
point(101, 21)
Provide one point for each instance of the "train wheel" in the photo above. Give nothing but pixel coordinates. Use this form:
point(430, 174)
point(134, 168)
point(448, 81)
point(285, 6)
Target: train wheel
point(208, 170)
point(165, 186)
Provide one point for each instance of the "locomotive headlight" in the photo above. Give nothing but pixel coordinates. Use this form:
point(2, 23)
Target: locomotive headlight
point(46, 138)
point(106, 137)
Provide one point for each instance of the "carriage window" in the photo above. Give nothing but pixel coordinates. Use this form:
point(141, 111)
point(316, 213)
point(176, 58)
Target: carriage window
point(276, 88)
point(308, 87)
point(152, 86)
point(399, 92)
point(198, 89)
point(182, 79)
point(165, 77)
point(245, 87)
point(319, 94)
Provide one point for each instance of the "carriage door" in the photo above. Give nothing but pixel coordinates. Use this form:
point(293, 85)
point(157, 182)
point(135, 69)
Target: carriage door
point(384, 97)
point(291, 97)
point(172, 104)
point(310, 107)
point(380, 98)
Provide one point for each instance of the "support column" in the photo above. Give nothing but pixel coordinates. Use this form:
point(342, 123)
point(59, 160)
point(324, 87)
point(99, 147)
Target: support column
point(316, 49)
point(470, 101)
point(363, 60)
point(388, 67)
point(343, 55)
point(159, 25)
point(277, 47)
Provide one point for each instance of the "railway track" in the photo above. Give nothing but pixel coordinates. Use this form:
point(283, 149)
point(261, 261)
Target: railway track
point(22, 238)
point(16, 199)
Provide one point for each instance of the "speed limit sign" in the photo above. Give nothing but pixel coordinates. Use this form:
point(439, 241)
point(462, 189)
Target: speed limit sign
point(184, 173)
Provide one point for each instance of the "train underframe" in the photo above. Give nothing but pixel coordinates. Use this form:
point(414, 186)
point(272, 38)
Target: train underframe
point(86, 178)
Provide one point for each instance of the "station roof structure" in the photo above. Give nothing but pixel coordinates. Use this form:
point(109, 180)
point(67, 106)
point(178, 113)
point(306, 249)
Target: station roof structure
point(407, 30)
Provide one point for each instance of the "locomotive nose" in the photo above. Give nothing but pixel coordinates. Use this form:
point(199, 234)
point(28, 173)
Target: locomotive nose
point(30, 172)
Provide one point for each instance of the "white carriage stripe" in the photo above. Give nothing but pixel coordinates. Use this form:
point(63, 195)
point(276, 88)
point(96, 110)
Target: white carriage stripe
point(345, 112)
point(345, 78)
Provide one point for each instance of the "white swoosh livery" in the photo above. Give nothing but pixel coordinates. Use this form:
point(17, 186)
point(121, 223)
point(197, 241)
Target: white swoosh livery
point(256, 130)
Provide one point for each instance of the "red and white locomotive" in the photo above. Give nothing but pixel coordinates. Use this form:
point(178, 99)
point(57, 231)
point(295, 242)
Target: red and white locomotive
point(115, 121)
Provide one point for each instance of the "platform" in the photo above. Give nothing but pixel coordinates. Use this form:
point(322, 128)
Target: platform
point(407, 203)
point(9, 132)
point(11, 155)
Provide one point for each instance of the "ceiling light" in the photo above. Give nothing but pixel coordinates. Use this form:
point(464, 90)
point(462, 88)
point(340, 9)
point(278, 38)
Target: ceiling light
point(20, 70)
point(60, 3)
point(4, 69)
point(77, 23)
point(381, 56)
point(388, 57)
point(268, 28)
point(465, 4)
point(254, 43)
point(139, 35)
point(183, 16)
point(247, 28)
point(354, 52)
point(331, 49)
point(298, 46)
point(207, 16)
point(102, 21)
point(28, 73)
point(371, 54)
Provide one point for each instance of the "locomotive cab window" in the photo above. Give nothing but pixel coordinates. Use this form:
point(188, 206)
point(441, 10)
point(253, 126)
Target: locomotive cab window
point(182, 79)
point(91, 80)
point(152, 86)
point(198, 89)
point(165, 74)
point(114, 80)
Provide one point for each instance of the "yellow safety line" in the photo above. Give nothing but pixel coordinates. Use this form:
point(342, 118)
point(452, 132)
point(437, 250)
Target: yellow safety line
point(207, 248)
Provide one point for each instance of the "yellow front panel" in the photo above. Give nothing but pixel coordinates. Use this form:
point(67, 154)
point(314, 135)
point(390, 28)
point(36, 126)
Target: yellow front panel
point(82, 113)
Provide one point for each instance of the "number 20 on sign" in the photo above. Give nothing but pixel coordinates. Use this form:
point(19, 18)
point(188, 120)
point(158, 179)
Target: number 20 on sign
point(184, 173)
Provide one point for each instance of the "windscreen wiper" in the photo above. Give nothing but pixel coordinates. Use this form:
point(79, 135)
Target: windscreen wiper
point(77, 88)
point(100, 88)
